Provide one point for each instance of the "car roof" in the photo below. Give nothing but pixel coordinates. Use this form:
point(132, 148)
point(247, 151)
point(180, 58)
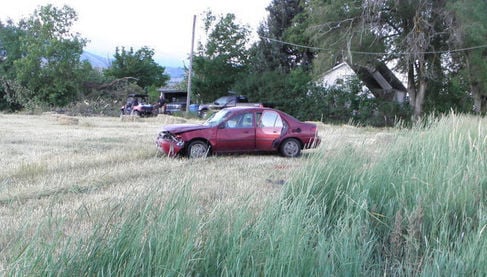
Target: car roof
point(252, 108)
point(247, 108)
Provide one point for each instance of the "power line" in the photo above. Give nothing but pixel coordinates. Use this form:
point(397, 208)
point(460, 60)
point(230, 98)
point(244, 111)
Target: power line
point(293, 44)
point(378, 53)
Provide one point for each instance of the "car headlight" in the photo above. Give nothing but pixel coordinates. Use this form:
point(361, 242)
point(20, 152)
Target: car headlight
point(177, 140)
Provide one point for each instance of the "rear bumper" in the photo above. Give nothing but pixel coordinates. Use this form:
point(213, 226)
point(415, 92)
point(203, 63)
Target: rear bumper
point(313, 143)
point(174, 108)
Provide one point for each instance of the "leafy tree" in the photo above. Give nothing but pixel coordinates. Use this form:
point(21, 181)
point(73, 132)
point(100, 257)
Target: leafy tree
point(337, 29)
point(278, 71)
point(49, 65)
point(471, 31)
point(285, 22)
point(9, 47)
point(140, 65)
point(424, 30)
point(220, 62)
point(9, 52)
point(279, 89)
point(413, 32)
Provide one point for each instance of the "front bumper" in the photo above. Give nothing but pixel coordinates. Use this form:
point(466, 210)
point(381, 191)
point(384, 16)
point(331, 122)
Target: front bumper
point(169, 144)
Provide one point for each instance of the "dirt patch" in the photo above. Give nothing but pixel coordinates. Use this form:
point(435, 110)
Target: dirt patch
point(67, 120)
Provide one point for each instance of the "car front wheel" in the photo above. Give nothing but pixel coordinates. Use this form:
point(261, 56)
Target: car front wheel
point(290, 148)
point(203, 114)
point(198, 149)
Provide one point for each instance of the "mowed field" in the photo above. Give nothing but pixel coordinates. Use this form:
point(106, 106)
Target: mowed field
point(78, 168)
point(91, 196)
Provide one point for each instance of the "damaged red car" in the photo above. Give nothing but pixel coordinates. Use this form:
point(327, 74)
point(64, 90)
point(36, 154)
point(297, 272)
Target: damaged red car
point(239, 130)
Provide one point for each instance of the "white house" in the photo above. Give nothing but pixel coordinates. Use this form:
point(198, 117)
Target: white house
point(337, 75)
point(378, 80)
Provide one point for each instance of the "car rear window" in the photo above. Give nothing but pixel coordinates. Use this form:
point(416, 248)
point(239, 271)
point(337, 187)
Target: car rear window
point(270, 119)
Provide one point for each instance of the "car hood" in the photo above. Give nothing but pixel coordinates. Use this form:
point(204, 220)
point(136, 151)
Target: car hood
point(203, 106)
point(182, 128)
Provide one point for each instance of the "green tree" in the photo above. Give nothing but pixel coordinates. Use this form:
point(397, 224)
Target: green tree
point(285, 22)
point(9, 52)
point(278, 71)
point(279, 89)
point(50, 65)
point(9, 47)
point(337, 29)
point(471, 31)
point(219, 63)
point(423, 29)
point(140, 65)
point(412, 32)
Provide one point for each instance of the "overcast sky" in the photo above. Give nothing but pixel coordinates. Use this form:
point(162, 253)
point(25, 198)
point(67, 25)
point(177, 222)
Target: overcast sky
point(163, 25)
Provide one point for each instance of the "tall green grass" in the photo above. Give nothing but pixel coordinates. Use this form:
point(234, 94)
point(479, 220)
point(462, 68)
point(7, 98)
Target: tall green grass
point(416, 207)
point(421, 204)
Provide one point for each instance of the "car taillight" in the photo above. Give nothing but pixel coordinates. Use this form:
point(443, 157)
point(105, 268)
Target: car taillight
point(314, 129)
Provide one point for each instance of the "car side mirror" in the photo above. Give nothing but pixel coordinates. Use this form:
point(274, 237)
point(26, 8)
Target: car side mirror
point(221, 126)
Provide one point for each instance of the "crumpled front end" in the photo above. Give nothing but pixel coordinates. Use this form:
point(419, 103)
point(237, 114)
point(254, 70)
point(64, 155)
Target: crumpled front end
point(169, 143)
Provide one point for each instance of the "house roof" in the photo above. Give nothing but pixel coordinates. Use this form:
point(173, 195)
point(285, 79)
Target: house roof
point(336, 67)
point(378, 78)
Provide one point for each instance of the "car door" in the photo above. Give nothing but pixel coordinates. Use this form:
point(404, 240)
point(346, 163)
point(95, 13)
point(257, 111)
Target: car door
point(269, 128)
point(237, 134)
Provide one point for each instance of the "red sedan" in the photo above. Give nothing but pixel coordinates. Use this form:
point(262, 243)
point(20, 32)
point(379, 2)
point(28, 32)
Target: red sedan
point(239, 130)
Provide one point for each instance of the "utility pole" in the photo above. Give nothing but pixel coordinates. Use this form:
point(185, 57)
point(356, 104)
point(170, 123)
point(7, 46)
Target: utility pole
point(190, 69)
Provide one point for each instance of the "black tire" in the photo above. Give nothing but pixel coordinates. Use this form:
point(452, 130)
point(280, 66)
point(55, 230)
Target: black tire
point(290, 148)
point(198, 149)
point(203, 114)
point(135, 113)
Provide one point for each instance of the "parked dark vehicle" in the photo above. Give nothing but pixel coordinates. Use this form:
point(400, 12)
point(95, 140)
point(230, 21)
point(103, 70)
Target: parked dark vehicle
point(175, 107)
point(225, 102)
point(175, 101)
point(137, 105)
point(239, 130)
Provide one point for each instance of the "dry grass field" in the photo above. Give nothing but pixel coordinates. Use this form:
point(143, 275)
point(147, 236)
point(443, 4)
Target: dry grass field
point(77, 167)
point(82, 165)
point(91, 194)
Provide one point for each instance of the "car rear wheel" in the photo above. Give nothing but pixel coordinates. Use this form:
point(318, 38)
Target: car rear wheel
point(198, 149)
point(290, 148)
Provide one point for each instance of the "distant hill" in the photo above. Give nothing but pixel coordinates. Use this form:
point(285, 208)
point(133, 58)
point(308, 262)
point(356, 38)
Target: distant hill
point(99, 62)
point(176, 73)
point(96, 61)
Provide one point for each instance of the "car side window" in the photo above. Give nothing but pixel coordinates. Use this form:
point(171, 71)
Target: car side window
point(247, 120)
point(232, 122)
point(270, 119)
point(240, 121)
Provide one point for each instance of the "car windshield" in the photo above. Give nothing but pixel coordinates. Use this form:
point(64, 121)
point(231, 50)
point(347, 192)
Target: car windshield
point(223, 100)
point(216, 118)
